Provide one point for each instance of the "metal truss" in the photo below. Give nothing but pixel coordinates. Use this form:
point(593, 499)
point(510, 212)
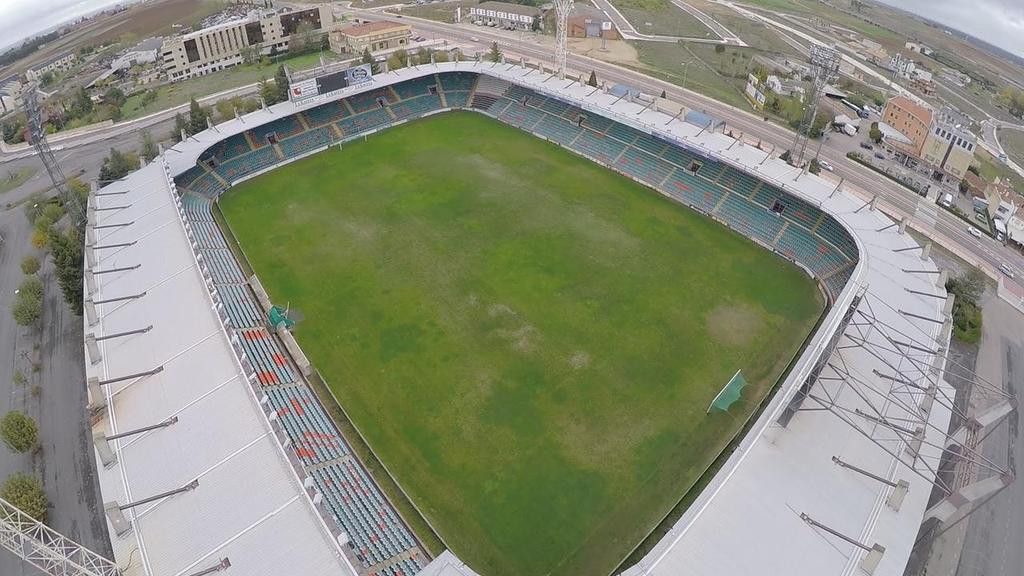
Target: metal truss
point(562, 9)
point(891, 405)
point(47, 549)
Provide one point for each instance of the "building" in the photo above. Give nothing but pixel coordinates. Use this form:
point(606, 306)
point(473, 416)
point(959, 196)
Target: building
point(955, 76)
point(225, 45)
point(145, 52)
point(374, 36)
point(919, 48)
point(911, 119)
point(1002, 200)
point(506, 15)
point(10, 93)
point(59, 64)
point(949, 148)
point(589, 22)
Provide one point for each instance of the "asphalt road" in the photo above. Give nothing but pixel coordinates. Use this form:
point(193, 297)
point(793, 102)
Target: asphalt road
point(54, 395)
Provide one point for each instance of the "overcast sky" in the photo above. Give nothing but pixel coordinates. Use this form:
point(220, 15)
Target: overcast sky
point(1000, 22)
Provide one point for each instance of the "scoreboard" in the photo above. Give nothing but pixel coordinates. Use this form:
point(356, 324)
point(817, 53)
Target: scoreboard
point(330, 83)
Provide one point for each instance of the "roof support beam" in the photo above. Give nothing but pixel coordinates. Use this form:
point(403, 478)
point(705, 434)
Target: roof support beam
point(874, 553)
point(115, 511)
point(102, 441)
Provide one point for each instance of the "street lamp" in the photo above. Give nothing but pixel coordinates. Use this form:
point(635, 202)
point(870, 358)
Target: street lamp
point(686, 66)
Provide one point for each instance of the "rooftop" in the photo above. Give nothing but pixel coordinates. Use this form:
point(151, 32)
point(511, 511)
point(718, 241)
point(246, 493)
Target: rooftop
point(369, 28)
point(919, 111)
point(509, 7)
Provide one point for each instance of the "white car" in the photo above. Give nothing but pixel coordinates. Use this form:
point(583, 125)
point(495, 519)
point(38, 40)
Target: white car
point(1006, 271)
point(826, 166)
point(974, 231)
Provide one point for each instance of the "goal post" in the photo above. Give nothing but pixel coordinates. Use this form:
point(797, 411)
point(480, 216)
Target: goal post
point(729, 394)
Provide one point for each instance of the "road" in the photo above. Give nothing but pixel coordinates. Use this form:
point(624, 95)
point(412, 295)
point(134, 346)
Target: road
point(50, 360)
point(629, 32)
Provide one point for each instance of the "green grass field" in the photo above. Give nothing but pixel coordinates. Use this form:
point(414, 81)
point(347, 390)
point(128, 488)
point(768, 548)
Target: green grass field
point(528, 340)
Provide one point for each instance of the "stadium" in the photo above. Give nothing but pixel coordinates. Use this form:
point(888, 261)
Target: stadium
point(469, 318)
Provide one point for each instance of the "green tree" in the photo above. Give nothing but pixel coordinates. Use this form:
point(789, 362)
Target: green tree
point(398, 59)
point(268, 92)
point(814, 167)
point(19, 431)
point(494, 55)
point(47, 78)
point(304, 39)
point(79, 189)
point(81, 103)
point(118, 165)
point(282, 84)
point(592, 81)
point(29, 265)
point(368, 58)
point(114, 96)
point(441, 56)
point(973, 168)
point(196, 117)
point(179, 124)
point(26, 493)
point(149, 149)
point(875, 134)
point(31, 287)
point(27, 310)
point(66, 249)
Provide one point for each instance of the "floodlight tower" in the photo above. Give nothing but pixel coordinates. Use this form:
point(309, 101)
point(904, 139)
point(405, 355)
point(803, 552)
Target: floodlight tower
point(824, 68)
point(37, 133)
point(562, 9)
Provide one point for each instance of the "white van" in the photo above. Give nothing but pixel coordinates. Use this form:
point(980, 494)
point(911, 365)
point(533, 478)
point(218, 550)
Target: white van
point(947, 201)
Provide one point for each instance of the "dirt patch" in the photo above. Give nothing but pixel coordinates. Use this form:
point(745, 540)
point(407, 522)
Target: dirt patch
point(734, 325)
point(579, 360)
point(617, 51)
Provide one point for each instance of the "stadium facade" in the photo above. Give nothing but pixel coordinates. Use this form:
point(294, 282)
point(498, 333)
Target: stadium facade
point(175, 331)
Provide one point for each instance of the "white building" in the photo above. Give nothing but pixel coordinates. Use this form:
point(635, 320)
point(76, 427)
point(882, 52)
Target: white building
point(59, 64)
point(222, 46)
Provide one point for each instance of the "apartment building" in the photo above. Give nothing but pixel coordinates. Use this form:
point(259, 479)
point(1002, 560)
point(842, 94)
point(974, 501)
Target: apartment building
point(372, 36)
point(911, 119)
point(222, 46)
point(57, 64)
point(950, 146)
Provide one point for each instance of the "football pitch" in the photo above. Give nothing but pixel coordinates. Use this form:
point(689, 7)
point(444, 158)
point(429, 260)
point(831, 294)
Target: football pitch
point(527, 340)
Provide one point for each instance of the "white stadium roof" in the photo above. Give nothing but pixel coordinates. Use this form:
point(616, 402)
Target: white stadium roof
point(250, 505)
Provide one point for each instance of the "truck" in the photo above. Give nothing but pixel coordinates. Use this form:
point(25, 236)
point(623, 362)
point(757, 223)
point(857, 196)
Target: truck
point(862, 111)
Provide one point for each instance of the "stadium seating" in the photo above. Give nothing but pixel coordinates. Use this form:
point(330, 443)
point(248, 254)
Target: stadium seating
point(367, 101)
point(282, 127)
point(206, 185)
point(414, 88)
point(246, 164)
point(306, 142)
point(458, 82)
point(330, 112)
point(801, 232)
point(354, 125)
point(416, 107)
point(238, 303)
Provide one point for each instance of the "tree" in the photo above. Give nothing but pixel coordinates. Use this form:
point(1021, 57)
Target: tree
point(875, 133)
point(47, 78)
point(303, 39)
point(118, 165)
point(81, 103)
point(251, 54)
point(26, 493)
point(66, 249)
point(663, 95)
point(19, 431)
point(31, 287)
point(398, 59)
point(814, 167)
point(282, 83)
point(27, 310)
point(80, 190)
point(973, 168)
point(149, 149)
point(196, 118)
point(179, 124)
point(785, 156)
point(441, 56)
point(114, 96)
point(592, 81)
point(368, 58)
point(29, 265)
point(719, 49)
point(268, 92)
point(495, 53)
point(964, 186)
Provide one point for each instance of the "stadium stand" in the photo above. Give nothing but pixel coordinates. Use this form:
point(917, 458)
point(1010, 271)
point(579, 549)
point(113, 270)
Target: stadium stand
point(778, 220)
point(371, 530)
point(377, 537)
